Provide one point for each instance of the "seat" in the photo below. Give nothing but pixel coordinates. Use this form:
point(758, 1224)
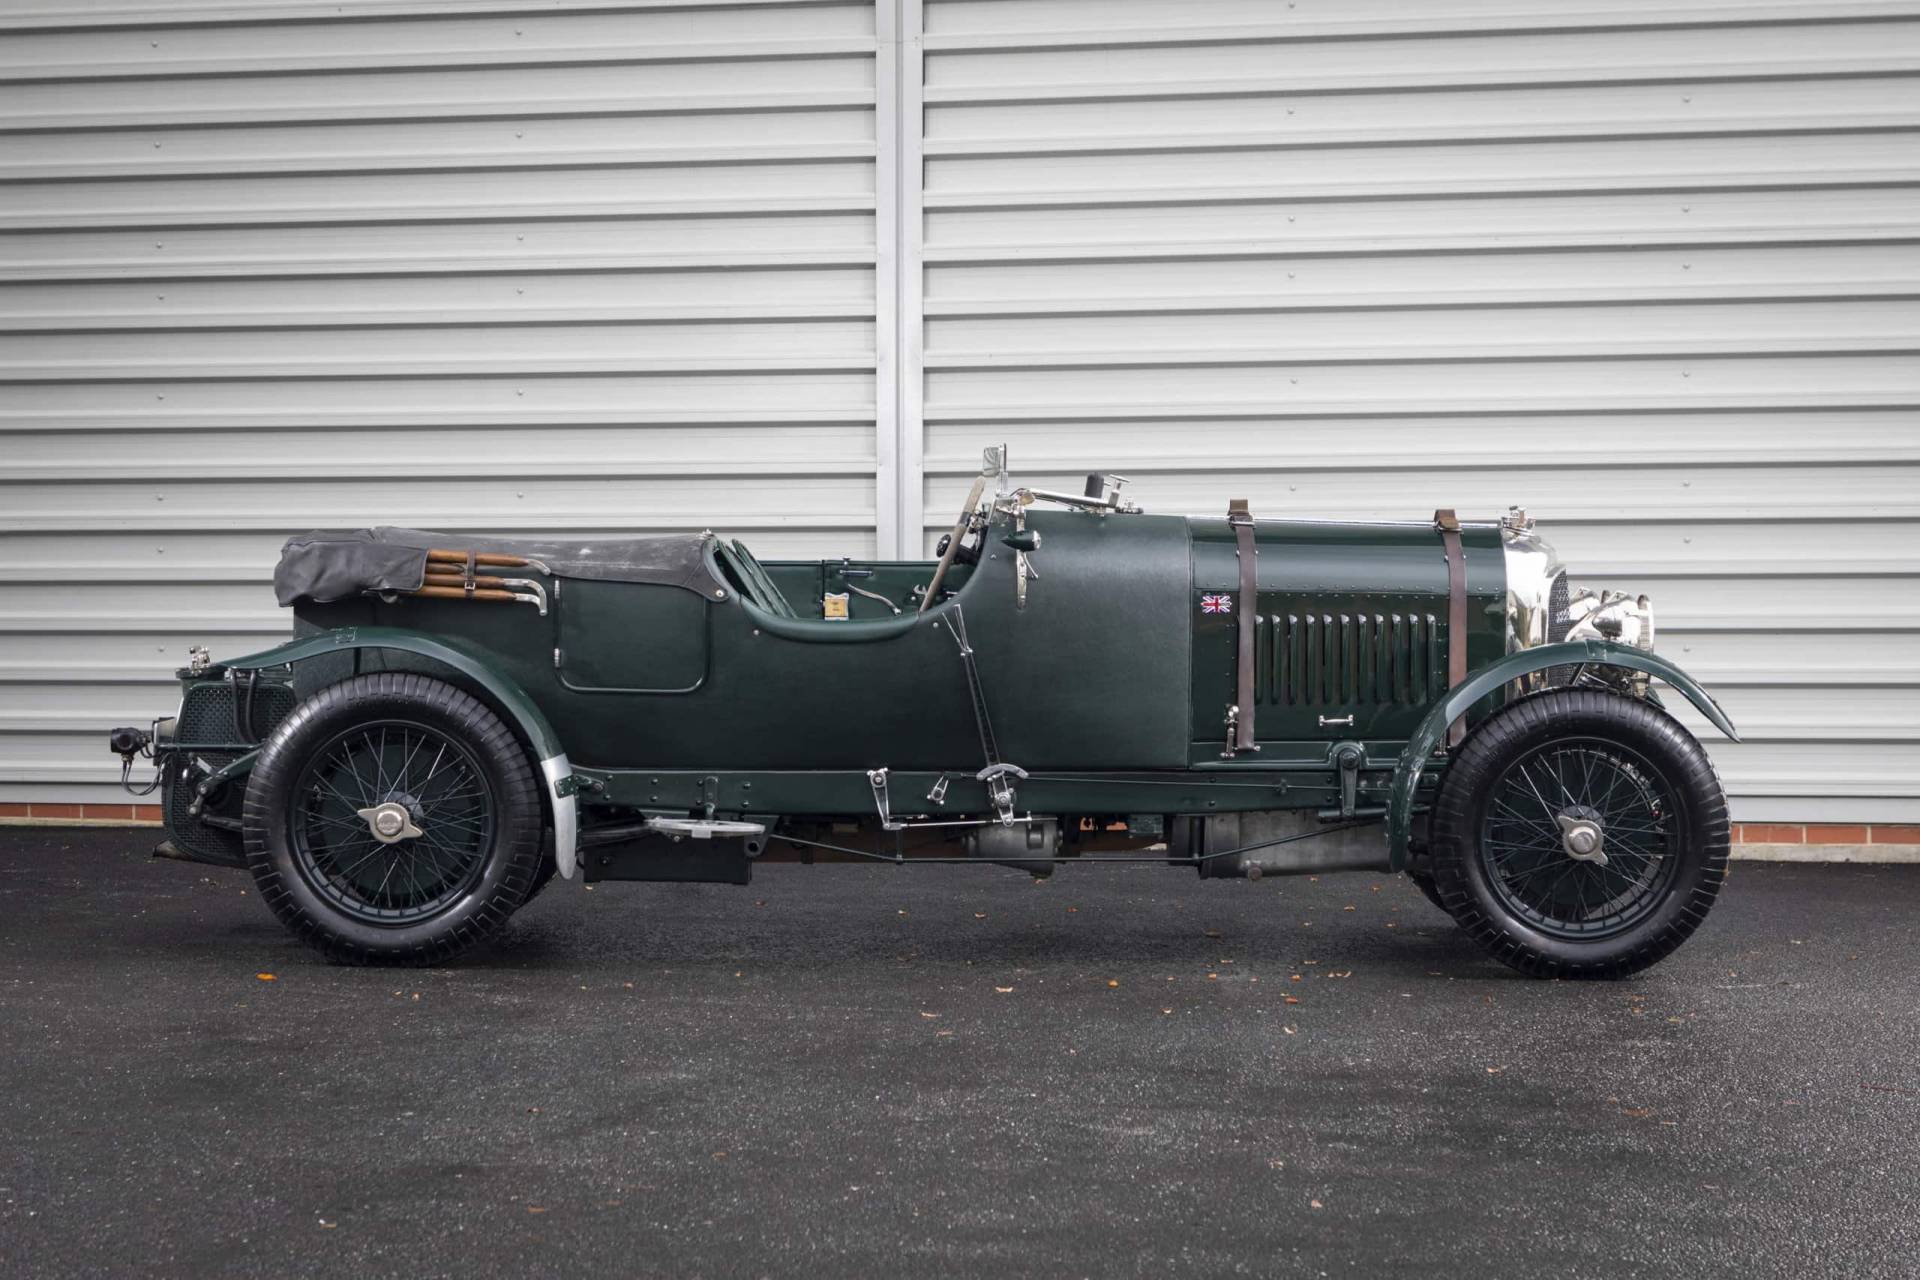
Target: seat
point(753, 580)
point(769, 609)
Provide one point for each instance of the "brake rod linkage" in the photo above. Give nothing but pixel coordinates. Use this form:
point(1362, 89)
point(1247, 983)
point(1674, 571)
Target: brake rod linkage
point(901, 860)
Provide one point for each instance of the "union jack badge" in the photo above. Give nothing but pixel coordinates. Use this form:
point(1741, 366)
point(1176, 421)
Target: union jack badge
point(1216, 603)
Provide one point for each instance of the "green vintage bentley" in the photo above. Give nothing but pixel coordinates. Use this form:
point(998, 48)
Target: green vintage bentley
point(459, 719)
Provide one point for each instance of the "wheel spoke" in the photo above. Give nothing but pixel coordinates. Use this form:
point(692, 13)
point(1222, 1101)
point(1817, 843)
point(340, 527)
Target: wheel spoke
point(1524, 851)
point(436, 778)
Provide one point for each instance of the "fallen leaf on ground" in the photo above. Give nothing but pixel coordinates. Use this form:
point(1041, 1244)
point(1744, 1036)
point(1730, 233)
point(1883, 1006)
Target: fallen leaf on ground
point(1113, 982)
point(266, 977)
point(1293, 999)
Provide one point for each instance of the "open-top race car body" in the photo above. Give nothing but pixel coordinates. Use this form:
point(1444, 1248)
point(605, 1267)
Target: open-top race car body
point(458, 718)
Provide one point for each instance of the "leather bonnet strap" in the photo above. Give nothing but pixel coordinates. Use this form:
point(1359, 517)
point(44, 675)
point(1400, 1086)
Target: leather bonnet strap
point(1448, 525)
point(1241, 520)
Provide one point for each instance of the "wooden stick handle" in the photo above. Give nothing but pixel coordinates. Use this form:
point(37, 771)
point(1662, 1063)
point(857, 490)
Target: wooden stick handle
point(493, 559)
point(436, 579)
point(457, 593)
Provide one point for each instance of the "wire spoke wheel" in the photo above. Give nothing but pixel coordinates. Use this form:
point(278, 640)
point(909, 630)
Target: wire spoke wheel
point(392, 821)
point(1578, 837)
point(1579, 833)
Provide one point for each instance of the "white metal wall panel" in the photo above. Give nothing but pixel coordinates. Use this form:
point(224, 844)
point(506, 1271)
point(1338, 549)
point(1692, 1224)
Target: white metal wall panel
point(1648, 269)
point(590, 267)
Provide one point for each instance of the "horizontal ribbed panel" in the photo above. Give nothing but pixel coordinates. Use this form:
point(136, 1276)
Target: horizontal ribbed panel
point(584, 268)
point(1310, 659)
point(1648, 270)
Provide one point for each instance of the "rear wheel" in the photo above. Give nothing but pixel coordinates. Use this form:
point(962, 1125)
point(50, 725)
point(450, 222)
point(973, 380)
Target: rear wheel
point(393, 819)
point(1579, 833)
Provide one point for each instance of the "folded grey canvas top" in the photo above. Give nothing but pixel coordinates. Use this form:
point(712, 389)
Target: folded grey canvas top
point(321, 567)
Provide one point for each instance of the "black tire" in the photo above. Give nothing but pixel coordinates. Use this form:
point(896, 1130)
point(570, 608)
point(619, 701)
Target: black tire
point(1423, 881)
point(1504, 863)
point(474, 807)
point(544, 874)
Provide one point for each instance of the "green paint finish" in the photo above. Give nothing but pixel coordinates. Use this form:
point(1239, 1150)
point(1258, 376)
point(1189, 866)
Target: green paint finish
point(474, 662)
point(1109, 684)
point(597, 653)
point(1351, 620)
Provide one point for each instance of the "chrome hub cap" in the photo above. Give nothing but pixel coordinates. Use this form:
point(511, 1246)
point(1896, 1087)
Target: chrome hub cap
point(1581, 835)
point(389, 823)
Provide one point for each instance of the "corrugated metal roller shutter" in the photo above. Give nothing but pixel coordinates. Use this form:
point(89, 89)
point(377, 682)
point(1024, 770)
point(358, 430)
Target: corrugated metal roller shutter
point(603, 267)
point(1648, 269)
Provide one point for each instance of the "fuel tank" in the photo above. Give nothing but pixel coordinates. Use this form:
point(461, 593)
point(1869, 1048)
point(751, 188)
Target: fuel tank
point(1350, 625)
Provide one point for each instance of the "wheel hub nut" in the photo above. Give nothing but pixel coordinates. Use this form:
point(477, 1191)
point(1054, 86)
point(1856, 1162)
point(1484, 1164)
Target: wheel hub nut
point(389, 822)
point(1582, 837)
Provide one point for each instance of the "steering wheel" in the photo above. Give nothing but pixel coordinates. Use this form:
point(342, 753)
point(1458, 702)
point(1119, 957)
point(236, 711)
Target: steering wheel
point(953, 542)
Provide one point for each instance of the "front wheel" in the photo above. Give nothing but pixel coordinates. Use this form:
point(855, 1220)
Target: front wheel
point(1579, 834)
point(393, 819)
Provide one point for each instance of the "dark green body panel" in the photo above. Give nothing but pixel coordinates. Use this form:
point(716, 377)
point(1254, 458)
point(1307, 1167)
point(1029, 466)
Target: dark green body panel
point(1352, 621)
point(1091, 674)
point(1109, 685)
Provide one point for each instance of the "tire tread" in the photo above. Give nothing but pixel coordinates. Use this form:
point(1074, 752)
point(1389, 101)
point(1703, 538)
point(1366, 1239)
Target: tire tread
point(1474, 765)
point(520, 827)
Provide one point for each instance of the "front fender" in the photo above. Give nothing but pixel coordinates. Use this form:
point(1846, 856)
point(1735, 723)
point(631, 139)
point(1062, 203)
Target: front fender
point(554, 766)
point(1433, 728)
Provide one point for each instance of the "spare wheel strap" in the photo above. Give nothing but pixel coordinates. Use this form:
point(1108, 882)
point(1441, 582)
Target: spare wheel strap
point(1448, 525)
point(1241, 519)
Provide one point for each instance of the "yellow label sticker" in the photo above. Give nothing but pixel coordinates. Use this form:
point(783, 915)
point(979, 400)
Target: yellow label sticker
point(835, 608)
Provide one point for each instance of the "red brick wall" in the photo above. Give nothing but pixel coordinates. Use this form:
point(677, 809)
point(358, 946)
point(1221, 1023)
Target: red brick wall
point(1823, 833)
point(85, 812)
point(1743, 832)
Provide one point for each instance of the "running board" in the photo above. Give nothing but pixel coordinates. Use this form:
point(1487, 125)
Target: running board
point(705, 828)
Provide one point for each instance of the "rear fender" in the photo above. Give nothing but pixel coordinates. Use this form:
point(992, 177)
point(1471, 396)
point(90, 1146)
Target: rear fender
point(513, 700)
point(1427, 737)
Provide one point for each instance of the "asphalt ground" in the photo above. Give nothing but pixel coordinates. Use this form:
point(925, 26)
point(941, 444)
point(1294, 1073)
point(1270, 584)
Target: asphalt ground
point(870, 1071)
